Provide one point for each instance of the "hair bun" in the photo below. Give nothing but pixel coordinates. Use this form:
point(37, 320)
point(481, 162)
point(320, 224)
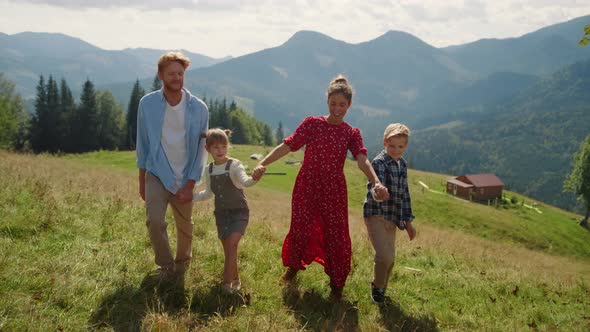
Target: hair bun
point(340, 79)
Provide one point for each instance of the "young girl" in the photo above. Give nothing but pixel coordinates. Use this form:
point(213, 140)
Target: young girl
point(319, 208)
point(225, 178)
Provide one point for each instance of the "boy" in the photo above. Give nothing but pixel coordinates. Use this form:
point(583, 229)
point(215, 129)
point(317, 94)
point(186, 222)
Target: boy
point(383, 217)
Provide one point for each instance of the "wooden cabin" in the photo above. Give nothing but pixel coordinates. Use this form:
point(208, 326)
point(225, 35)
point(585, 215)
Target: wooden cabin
point(476, 187)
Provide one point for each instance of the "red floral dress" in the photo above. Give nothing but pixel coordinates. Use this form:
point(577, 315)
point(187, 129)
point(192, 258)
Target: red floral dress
point(319, 207)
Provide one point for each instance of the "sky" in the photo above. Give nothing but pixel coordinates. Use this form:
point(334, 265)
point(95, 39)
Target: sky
point(219, 28)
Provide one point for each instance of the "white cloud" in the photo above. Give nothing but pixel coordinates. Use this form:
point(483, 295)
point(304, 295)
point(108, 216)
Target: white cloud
point(139, 4)
point(223, 27)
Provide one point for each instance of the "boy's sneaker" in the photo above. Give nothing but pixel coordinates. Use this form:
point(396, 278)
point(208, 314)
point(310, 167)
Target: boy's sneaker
point(377, 295)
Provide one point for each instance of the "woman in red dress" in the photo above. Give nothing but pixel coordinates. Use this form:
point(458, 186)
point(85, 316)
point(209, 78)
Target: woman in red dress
point(319, 209)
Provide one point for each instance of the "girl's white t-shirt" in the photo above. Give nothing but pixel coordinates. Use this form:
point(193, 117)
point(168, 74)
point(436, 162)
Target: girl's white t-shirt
point(237, 174)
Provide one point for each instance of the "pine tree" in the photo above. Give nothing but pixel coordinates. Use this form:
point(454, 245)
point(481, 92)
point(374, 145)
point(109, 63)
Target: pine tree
point(578, 181)
point(88, 116)
point(224, 116)
point(53, 117)
point(38, 121)
point(69, 117)
point(156, 84)
point(131, 120)
point(280, 134)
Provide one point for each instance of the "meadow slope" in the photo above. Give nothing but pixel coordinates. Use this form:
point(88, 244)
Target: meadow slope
point(74, 255)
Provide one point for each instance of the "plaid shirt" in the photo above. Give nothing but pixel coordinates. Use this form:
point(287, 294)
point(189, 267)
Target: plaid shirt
point(398, 208)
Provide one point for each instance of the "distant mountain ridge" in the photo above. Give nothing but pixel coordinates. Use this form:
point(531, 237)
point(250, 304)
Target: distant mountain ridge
point(24, 56)
point(528, 140)
point(541, 52)
point(452, 96)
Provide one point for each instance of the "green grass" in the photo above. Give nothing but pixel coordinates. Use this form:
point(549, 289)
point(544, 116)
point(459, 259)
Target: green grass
point(114, 159)
point(74, 255)
point(554, 231)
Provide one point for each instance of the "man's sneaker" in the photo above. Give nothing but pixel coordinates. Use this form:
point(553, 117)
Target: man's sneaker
point(180, 268)
point(166, 274)
point(377, 295)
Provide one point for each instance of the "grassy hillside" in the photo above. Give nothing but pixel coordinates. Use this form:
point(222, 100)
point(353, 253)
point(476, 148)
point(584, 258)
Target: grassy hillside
point(553, 231)
point(75, 256)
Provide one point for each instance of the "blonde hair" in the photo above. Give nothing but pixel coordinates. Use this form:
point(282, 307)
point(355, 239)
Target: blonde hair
point(166, 58)
point(396, 130)
point(217, 136)
point(340, 85)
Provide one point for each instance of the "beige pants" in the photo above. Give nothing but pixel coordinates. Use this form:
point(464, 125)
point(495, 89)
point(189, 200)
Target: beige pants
point(157, 199)
point(382, 236)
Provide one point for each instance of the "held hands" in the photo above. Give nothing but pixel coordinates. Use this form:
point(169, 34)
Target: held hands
point(185, 194)
point(381, 193)
point(258, 172)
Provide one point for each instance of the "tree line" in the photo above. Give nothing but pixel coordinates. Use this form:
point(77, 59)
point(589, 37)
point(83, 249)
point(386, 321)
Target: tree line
point(97, 122)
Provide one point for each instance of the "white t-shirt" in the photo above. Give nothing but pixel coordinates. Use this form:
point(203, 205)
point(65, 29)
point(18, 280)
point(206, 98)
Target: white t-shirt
point(174, 138)
point(237, 174)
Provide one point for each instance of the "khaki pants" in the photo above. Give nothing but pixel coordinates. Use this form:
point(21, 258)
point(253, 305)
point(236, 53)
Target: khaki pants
point(382, 236)
point(157, 199)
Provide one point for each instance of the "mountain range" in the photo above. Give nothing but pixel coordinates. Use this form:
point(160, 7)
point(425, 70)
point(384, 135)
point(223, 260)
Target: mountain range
point(482, 106)
point(24, 56)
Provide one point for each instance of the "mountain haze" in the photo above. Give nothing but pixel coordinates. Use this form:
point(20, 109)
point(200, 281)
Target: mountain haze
point(541, 52)
point(25, 56)
point(288, 82)
point(396, 76)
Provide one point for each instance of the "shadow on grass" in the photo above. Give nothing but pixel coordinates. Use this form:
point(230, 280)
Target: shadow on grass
point(125, 309)
point(394, 319)
point(217, 303)
point(316, 313)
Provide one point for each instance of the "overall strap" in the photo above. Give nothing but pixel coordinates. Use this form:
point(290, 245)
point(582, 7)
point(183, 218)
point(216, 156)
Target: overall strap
point(210, 168)
point(228, 165)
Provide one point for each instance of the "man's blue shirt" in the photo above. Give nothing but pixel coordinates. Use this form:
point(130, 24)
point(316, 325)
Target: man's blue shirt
point(150, 154)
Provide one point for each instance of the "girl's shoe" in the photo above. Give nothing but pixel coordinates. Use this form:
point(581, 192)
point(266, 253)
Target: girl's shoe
point(336, 293)
point(227, 288)
point(288, 276)
point(236, 285)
